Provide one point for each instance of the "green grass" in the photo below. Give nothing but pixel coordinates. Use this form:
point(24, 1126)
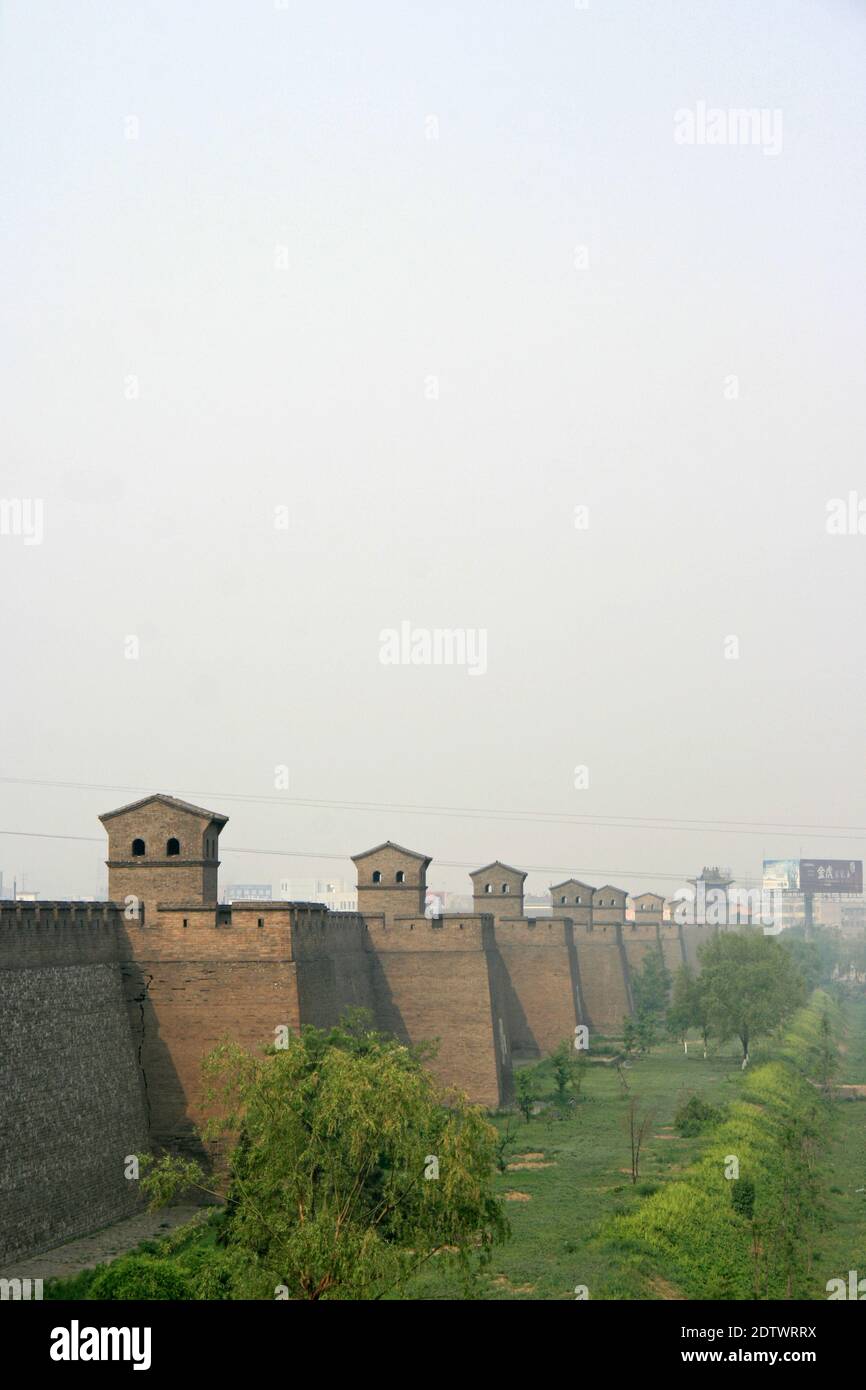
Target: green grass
point(842, 1245)
point(553, 1246)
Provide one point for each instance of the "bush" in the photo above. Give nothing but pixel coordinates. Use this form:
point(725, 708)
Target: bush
point(743, 1197)
point(141, 1277)
point(695, 1116)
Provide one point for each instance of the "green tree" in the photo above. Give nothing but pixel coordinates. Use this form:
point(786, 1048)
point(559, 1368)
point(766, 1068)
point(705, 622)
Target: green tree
point(630, 1041)
point(638, 1124)
point(651, 985)
point(749, 985)
point(645, 1028)
point(349, 1167)
point(808, 960)
point(689, 1008)
point(562, 1066)
point(525, 1093)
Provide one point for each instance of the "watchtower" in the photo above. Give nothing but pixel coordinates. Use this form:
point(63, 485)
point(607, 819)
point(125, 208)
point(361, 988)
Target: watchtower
point(498, 889)
point(161, 849)
point(392, 881)
point(649, 907)
point(573, 899)
point(608, 905)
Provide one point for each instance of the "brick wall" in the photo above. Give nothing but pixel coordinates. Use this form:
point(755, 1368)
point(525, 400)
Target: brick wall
point(673, 947)
point(72, 1101)
point(603, 977)
point(442, 980)
point(542, 998)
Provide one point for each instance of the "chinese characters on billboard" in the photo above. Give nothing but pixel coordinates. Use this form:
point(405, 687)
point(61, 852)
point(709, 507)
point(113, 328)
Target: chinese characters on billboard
point(831, 875)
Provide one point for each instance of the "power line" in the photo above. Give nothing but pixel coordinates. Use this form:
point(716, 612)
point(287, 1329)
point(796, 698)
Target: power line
point(328, 854)
point(675, 824)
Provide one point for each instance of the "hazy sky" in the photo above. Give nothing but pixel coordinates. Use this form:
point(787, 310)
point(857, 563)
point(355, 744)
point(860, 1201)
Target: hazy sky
point(429, 276)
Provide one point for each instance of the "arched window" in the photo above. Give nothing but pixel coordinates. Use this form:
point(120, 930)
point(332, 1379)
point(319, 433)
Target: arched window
point(137, 848)
point(488, 887)
point(172, 847)
point(401, 877)
point(505, 888)
point(377, 877)
point(563, 898)
point(577, 900)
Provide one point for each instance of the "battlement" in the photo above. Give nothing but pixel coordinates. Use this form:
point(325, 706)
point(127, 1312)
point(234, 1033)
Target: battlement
point(598, 930)
point(59, 910)
point(638, 930)
point(57, 933)
point(455, 931)
point(668, 931)
point(533, 931)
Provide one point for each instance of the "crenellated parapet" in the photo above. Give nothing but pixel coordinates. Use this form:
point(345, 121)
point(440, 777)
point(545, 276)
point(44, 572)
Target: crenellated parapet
point(445, 932)
point(57, 933)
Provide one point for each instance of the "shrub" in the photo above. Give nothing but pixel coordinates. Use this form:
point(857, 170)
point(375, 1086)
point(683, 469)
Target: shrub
point(695, 1116)
point(743, 1197)
point(141, 1277)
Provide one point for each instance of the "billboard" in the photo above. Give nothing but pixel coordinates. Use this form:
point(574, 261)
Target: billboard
point(831, 875)
point(782, 874)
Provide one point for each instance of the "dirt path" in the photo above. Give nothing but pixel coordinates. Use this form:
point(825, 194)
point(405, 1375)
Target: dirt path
point(101, 1247)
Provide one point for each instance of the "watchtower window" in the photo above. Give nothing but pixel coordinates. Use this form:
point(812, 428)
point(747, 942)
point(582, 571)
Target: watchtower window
point(505, 888)
point(172, 847)
point(488, 887)
point(377, 877)
point(562, 899)
point(401, 877)
point(137, 848)
point(577, 900)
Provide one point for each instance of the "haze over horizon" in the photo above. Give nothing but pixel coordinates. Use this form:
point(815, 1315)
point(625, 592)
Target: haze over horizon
point(323, 321)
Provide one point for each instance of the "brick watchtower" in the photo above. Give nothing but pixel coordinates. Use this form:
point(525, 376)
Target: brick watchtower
point(162, 850)
point(498, 888)
point(392, 881)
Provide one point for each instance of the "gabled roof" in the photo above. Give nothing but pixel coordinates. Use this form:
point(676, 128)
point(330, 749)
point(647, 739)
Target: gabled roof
point(611, 888)
point(390, 844)
point(168, 801)
point(571, 883)
point(498, 864)
point(658, 897)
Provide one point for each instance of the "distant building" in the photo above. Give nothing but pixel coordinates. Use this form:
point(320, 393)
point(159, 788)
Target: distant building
point(333, 893)
point(537, 904)
point(248, 892)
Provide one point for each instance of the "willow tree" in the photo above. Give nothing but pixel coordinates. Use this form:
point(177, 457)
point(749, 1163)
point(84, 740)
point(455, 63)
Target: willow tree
point(349, 1167)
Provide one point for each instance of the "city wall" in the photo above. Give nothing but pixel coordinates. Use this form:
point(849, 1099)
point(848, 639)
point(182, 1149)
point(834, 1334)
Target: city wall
point(73, 1104)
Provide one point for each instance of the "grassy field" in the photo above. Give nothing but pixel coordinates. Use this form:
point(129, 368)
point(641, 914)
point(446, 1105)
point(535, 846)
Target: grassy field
point(579, 1176)
point(556, 1209)
point(842, 1245)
